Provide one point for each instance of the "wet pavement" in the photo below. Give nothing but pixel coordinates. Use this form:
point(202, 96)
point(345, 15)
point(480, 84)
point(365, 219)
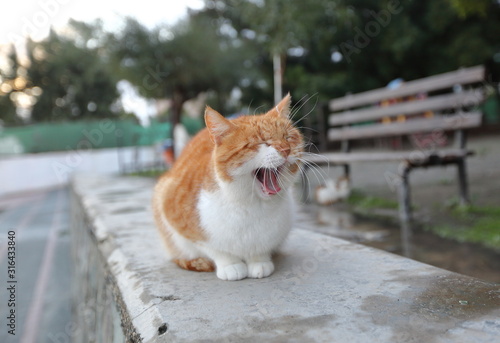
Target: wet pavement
point(40, 286)
point(431, 190)
point(412, 242)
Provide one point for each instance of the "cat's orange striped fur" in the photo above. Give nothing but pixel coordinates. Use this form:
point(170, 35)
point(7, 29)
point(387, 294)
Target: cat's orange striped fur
point(226, 203)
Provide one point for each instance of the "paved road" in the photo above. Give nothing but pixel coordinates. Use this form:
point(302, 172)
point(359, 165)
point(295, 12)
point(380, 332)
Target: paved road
point(39, 221)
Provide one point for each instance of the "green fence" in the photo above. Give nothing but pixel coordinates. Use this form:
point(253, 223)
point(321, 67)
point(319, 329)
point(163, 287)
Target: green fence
point(99, 134)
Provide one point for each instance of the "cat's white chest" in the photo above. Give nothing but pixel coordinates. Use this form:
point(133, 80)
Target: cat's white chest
point(245, 228)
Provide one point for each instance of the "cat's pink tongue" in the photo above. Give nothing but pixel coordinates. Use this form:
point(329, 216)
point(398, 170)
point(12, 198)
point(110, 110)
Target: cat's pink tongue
point(271, 183)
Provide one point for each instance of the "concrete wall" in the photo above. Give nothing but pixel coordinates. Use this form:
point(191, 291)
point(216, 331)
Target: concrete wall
point(95, 309)
point(323, 289)
point(28, 172)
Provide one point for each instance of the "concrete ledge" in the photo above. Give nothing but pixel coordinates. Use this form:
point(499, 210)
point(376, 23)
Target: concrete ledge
point(323, 289)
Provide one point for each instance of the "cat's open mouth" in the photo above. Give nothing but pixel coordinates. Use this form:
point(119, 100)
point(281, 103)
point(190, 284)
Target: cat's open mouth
point(269, 179)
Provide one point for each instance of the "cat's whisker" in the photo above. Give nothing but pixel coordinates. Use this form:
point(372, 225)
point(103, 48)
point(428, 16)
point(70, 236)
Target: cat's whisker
point(302, 101)
point(249, 105)
point(303, 174)
point(257, 111)
point(306, 145)
point(298, 105)
point(254, 179)
point(310, 111)
point(282, 176)
point(294, 110)
point(310, 164)
point(313, 154)
point(310, 144)
point(317, 171)
point(286, 175)
point(307, 128)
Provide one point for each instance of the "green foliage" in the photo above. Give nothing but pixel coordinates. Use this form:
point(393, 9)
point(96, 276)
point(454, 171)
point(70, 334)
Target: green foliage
point(418, 39)
point(271, 28)
point(473, 212)
point(177, 63)
point(8, 111)
point(155, 173)
point(466, 8)
point(373, 42)
point(75, 82)
point(331, 47)
point(367, 202)
point(477, 225)
point(473, 224)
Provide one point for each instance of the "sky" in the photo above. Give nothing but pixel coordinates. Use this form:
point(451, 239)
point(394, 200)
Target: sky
point(36, 17)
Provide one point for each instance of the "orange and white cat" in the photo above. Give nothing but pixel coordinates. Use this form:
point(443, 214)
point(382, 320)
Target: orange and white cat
point(226, 204)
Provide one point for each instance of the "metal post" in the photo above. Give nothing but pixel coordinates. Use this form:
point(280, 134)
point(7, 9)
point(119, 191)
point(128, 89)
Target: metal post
point(404, 196)
point(462, 182)
point(322, 114)
point(460, 139)
point(345, 147)
point(347, 171)
point(406, 239)
point(278, 91)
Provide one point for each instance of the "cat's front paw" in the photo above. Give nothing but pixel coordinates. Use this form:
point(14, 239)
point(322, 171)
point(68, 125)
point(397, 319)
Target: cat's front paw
point(258, 270)
point(232, 272)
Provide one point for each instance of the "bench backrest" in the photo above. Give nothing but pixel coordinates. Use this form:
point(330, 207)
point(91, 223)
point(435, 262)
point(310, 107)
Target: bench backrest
point(454, 108)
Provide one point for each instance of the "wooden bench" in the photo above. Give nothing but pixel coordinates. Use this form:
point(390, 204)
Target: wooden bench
point(426, 107)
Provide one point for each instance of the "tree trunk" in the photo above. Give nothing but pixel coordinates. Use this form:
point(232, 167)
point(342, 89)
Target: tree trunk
point(278, 77)
point(178, 100)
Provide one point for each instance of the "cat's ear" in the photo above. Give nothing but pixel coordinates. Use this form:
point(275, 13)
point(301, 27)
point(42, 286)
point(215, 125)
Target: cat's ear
point(282, 109)
point(217, 125)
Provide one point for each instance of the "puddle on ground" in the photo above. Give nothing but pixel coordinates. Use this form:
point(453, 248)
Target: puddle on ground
point(434, 306)
point(415, 243)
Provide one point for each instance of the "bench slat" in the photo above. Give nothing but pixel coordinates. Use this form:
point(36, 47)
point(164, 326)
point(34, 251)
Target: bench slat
point(436, 103)
point(428, 84)
point(418, 155)
point(446, 123)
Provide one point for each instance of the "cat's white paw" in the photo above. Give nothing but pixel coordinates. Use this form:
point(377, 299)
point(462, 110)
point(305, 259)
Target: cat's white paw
point(233, 272)
point(258, 270)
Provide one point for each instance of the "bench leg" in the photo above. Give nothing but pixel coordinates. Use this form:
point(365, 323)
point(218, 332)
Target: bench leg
point(406, 239)
point(347, 171)
point(404, 196)
point(462, 183)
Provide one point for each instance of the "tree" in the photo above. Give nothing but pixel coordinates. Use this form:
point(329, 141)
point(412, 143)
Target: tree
point(75, 82)
point(8, 90)
point(465, 8)
point(174, 63)
point(374, 42)
point(286, 36)
point(278, 25)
